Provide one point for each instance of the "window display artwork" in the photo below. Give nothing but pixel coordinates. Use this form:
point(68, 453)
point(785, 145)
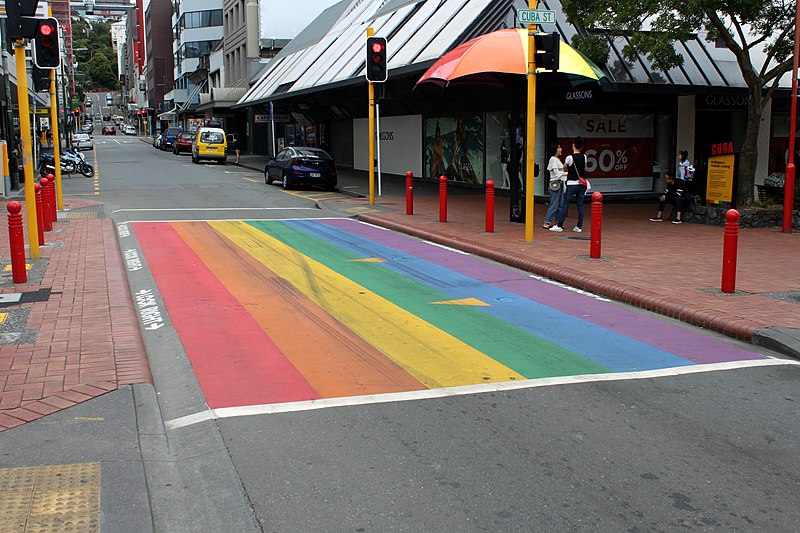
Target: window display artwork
point(454, 148)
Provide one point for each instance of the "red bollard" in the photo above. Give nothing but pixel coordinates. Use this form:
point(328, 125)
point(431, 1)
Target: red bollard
point(39, 218)
point(597, 226)
point(53, 198)
point(409, 193)
point(730, 249)
point(47, 222)
point(489, 206)
point(16, 238)
point(443, 199)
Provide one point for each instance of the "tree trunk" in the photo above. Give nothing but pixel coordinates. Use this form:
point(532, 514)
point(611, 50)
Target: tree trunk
point(748, 160)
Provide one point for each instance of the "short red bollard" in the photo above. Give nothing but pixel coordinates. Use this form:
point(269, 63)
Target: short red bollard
point(53, 198)
point(39, 218)
point(47, 222)
point(597, 226)
point(16, 238)
point(489, 206)
point(409, 193)
point(443, 199)
point(730, 250)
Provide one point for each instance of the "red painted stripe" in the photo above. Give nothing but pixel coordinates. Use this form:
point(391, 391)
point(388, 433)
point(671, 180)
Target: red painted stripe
point(235, 362)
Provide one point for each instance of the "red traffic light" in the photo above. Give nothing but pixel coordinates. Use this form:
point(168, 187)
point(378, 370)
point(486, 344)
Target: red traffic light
point(46, 29)
point(378, 47)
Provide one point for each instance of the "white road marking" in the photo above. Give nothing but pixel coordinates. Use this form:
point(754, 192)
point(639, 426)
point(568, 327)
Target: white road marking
point(568, 287)
point(462, 252)
point(349, 401)
point(220, 209)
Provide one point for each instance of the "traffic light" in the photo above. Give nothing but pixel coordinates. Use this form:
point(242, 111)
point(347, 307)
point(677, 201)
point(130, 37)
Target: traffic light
point(41, 79)
point(377, 69)
point(46, 53)
point(20, 23)
point(547, 48)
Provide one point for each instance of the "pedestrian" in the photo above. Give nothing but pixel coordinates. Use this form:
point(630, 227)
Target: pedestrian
point(235, 143)
point(685, 171)
point(575, 167)
point(557, 184)
point(673, 195)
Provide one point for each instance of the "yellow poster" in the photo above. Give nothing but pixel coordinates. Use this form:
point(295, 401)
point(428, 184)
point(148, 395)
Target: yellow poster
point(719, 187)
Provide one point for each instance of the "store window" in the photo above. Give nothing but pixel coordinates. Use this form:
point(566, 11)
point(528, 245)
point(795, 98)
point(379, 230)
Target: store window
point(454, 147)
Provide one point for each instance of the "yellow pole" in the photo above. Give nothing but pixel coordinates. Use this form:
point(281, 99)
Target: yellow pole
point(371, 119)
point(6, 169)
point(26, 141)
point(56, 138)
point(530, 132)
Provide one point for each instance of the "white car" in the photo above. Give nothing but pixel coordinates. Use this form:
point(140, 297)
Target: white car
point(82, 141)
point(130, 130)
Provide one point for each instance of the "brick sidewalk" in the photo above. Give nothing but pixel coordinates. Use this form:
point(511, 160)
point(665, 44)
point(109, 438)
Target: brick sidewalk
point(87, 338)
point(673, 270)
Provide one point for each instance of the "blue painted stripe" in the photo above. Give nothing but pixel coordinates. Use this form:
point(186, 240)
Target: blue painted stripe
point(615, 351)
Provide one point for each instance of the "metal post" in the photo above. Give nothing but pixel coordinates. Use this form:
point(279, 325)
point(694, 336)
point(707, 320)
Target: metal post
point(443, 199)
point(409, 193)
point(789, 181)
point(597, 226)
point(730, 248)
point(378, 142)
point(56, 140)
point(16, 237)
point(489, 206)
point(530, 133)
point(39, 213)
point(25, 140)
point(371, 120)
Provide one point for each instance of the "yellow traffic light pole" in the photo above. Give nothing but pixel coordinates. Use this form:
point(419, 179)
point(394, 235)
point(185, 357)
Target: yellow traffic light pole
point(56, 138)
point(530, 131)
point(25, 141)
point(371, 119)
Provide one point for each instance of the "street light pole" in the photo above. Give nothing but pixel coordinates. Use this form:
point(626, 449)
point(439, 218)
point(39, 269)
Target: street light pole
point(788, 184)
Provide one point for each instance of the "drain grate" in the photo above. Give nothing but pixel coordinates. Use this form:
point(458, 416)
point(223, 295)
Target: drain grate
point(63, 498)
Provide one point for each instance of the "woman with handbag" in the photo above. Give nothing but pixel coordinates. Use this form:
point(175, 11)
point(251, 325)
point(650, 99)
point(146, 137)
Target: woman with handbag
point(575, 165)
point(557, 185)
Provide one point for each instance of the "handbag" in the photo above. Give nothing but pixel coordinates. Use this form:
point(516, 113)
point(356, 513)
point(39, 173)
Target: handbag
point(555, 184)
point(581, 180)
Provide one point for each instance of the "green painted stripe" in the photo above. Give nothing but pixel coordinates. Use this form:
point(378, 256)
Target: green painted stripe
point(527, 354)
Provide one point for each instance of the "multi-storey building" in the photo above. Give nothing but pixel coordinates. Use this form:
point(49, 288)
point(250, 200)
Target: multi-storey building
point(158, 43)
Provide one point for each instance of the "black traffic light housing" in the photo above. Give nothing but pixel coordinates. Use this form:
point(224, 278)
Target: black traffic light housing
point(41, 79)
point(20, 23)
point(547, 50)
point(46, 52)
point(377, 68)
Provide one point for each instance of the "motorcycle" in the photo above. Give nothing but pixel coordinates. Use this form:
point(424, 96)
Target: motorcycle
point(47, 165)
point(85, 168)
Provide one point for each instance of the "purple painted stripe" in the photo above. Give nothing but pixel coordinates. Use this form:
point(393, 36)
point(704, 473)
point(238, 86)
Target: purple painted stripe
point(678, 340)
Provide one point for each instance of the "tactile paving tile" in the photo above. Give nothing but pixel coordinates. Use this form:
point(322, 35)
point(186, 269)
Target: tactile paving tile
point(81, 214)
point(50, 499)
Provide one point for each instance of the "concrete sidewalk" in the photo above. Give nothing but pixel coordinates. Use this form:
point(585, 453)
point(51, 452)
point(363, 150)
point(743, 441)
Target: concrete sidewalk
point(672, 270)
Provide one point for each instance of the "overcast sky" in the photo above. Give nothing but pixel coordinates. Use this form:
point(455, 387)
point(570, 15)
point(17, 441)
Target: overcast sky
point(283, 19)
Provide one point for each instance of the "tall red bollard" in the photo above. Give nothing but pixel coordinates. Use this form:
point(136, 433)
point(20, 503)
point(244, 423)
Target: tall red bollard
point(443, 199)
point(409, 193)
point(39, 218)
point(16, 237)
point(53, 198)
point(47, 222)
point(489, 206)
point(730, 250)
point(597, 226)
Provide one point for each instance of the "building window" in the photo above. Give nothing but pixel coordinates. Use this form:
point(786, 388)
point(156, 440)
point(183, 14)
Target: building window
point(195, 49)
point(201, 19)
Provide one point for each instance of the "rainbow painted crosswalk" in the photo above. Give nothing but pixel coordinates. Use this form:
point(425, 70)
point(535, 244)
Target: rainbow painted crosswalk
point(288, 311)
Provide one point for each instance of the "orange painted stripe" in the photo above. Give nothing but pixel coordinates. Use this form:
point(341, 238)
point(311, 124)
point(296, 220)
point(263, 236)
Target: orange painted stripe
point(333, 359)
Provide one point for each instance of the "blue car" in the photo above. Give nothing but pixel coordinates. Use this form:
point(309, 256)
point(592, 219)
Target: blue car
point(168, 138)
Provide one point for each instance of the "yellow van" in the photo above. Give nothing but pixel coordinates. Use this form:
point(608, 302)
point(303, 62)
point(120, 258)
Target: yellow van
point(210, 143)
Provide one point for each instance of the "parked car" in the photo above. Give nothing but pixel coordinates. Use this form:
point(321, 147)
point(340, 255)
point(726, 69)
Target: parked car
point(130, 130)
point(87, 128)
point(157, 141)
point(107, 118)
point(302, 166)
point(183, 142)
point(168, 137)
point(210, 143)
point(109, 130)
point(82, 141)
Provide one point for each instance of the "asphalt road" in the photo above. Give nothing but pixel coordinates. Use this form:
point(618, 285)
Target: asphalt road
point(710, 450)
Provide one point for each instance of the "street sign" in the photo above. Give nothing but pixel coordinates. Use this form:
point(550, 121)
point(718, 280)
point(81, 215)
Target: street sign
point(536, 16)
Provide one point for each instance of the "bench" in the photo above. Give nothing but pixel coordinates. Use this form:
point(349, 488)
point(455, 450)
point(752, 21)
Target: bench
point(766, 192)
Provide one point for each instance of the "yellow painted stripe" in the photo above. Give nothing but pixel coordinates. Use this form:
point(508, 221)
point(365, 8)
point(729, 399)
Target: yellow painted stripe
point(250, 179)
point(434, 357)
point(464, 301)
point(3, 318)
point(10, 268)
point(367, 260)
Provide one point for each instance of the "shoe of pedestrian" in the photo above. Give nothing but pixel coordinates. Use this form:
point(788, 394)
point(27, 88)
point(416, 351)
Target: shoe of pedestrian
point(555, 228)
point(576, 229)
point(677, 221)
point(547, 225)
point(656, 219)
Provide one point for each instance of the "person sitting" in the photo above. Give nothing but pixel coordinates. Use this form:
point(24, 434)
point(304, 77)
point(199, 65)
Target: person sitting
point(776, 179)
point(674, 195)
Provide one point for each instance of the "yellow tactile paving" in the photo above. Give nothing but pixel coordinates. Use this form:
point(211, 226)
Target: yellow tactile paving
point(50, 499)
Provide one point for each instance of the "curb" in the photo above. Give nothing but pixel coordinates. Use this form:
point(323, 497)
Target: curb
point(737, 328)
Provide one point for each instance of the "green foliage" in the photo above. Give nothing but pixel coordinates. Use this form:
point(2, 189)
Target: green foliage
point(96, 40)
point(593, 47)
point(100, 72)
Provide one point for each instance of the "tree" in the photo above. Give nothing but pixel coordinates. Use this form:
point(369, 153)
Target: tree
point(100, 71)
point(746, 27)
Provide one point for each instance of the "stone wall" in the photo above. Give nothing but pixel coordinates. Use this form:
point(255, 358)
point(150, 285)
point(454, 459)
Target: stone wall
point(755, 217)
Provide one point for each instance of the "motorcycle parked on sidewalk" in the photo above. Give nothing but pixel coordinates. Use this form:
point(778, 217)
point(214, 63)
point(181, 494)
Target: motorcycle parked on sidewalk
point(47, 165)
